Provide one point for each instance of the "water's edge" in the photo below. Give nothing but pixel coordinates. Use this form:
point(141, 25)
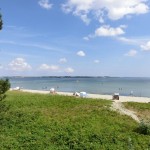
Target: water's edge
point(126, 86)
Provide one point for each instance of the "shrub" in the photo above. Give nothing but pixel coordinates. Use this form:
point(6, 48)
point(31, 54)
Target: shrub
point(143, 128)
point(4, 86)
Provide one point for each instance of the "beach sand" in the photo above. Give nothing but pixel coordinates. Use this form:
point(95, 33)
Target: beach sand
point(96, 96)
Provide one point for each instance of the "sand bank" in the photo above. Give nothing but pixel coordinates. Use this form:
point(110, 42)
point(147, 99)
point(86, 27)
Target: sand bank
point(97, 96)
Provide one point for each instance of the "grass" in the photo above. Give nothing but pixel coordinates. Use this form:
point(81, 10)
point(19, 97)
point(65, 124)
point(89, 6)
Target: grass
point(46, 122)
point(142, 110)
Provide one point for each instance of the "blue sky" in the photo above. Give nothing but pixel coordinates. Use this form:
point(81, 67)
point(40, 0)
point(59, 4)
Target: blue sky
point(75, 37)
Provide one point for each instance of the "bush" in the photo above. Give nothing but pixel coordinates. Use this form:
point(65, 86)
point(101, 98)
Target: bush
point(4, 86)
point(143, 128)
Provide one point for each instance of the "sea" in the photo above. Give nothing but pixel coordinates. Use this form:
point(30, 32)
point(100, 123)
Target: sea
point(125, 86)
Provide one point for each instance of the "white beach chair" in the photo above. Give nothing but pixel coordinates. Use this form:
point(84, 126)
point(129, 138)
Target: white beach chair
point(52, 91)
point(16, 88)
point(83, 94)
point(76, 94)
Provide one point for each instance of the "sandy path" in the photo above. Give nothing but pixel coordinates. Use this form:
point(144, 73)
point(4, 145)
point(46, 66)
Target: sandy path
point(118, 106)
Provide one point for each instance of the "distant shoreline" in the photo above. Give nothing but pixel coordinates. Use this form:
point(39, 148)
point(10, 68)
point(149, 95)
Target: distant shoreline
point(69, 77)
point(95, 96)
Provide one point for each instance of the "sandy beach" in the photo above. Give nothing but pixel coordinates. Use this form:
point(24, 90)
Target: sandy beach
point(96, 96)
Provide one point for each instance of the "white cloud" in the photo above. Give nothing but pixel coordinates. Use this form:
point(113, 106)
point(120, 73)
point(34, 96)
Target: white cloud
point(96, 61)
point(128, 40)
point(85, 19)
point(78, 8)
point(127, 7)
point(49, 67)
point(69, 70)
point(45, 4)
point(55, 68)
point(19, 64)
point(81, 53)
point(123, 26)
point(112, 9)
point(109, 31)
point(138, 41)
point(86, 38)
point(62, 60)
point(146, 47)
point(131, 53)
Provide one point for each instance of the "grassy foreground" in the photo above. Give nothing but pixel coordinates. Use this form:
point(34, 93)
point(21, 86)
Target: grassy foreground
point(142, 110)
point(45, 122)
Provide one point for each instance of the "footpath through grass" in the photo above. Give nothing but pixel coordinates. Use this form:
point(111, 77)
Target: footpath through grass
point(141, 109)
point(45, 122)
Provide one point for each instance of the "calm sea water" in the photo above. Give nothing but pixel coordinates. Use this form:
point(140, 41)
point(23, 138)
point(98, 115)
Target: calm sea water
point(94, 85)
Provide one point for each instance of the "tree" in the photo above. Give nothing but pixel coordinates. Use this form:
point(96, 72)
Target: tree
point(4, 86)
point(1, 22)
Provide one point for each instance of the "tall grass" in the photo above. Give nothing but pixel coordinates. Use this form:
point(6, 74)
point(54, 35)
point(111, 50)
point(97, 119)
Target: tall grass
point(142, 110)
point(45, 122)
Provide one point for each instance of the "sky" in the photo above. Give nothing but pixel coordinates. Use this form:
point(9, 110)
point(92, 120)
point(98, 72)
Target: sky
point(75, 38)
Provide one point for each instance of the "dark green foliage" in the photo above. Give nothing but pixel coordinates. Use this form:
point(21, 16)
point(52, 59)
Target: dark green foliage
point(1, 22)
point(4, 86)
point(143, 128)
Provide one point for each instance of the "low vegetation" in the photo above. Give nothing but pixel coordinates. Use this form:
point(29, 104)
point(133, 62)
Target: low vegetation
point(46, 122)
point(142, 110)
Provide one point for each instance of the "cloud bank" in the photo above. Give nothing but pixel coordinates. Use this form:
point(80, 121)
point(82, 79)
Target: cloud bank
point(101, 9)
point(19, 64)
point(49, 67)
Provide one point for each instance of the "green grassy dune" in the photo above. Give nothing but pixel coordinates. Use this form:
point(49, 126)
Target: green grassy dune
point(142, 110)
point(46, 122)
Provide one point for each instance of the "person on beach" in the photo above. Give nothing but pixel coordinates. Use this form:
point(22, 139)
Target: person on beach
point(131, 93)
